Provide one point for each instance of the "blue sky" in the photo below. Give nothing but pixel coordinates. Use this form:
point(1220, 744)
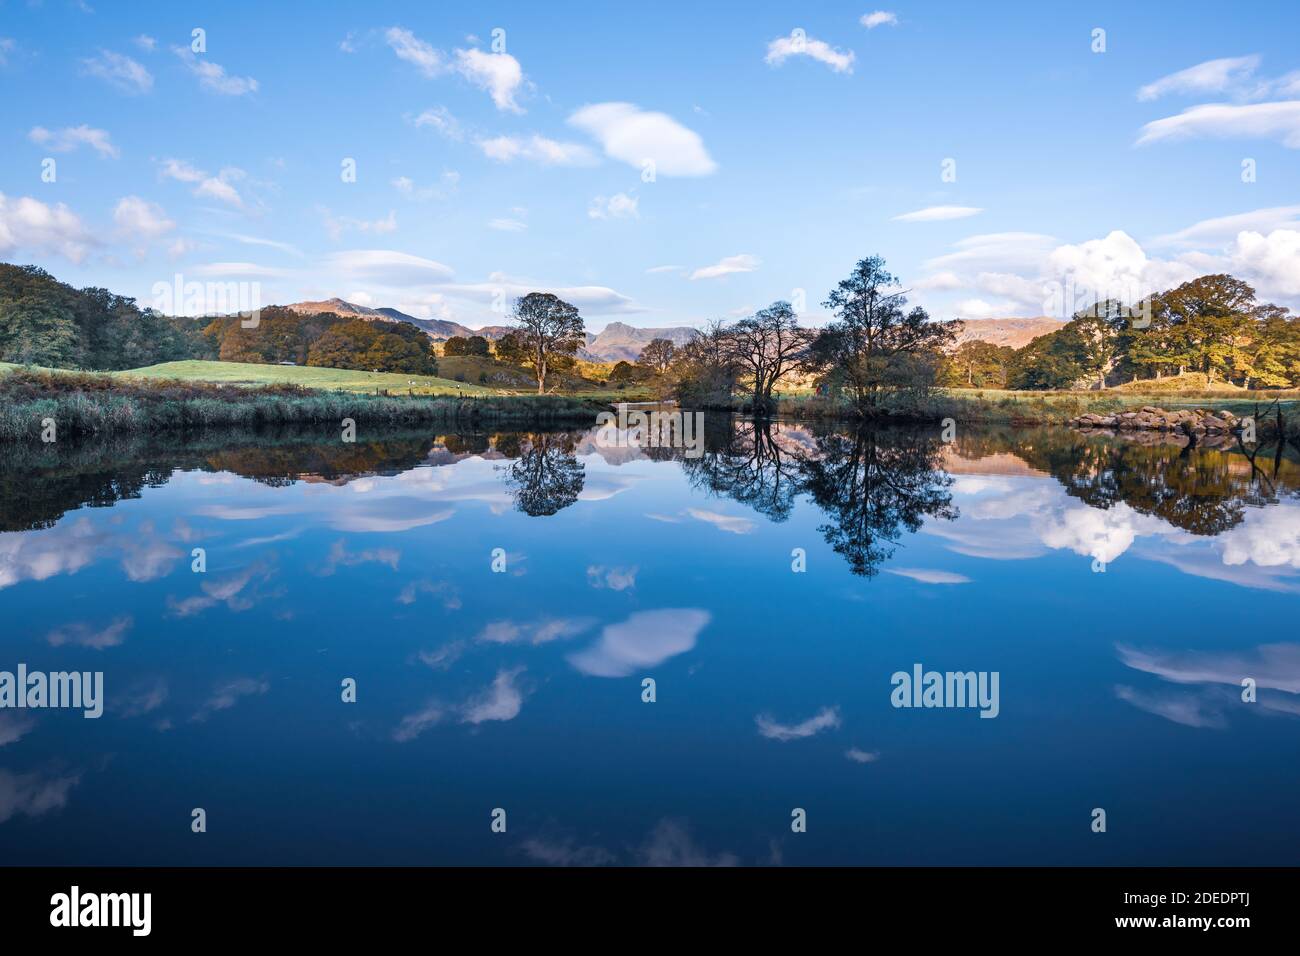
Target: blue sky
point(780, 158)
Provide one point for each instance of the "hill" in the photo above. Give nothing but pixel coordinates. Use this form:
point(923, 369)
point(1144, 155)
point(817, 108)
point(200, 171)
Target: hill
point(437, 329)
point(621, 342)
point(1015, 333)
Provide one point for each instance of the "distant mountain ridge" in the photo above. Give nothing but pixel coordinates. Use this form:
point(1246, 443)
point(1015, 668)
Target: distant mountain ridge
point(1015, 332)
point(616, 342)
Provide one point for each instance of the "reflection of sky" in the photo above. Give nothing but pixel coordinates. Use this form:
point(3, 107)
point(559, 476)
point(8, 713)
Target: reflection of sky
point(1011, 518)
point(524, 689)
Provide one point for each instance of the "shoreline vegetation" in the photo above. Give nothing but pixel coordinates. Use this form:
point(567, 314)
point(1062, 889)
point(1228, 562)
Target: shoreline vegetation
point(81, 404)
point(1206, 346)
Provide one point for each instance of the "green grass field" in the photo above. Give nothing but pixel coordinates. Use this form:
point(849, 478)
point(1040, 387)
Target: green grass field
point(328, 379)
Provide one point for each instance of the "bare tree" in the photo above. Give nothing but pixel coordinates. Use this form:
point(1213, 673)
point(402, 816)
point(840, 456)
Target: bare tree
point(769, 345)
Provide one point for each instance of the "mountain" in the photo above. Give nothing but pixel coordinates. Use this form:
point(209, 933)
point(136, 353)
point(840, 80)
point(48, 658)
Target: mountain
point(1016, 333)
point(620, 342)
point(616, 342)
point(437, 329)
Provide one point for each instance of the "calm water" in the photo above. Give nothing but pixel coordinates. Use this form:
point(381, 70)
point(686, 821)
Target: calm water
point(1122, 591)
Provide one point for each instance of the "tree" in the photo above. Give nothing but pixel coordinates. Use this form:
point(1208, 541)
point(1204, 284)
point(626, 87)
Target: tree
point(769, 345)
point(510, 349)
point(978, 364)
point(1099, 328)
point(548, 328)
point(706, 371)
point(465, 345)
point(658, 355)
point(875, 345)
point(1212, 314)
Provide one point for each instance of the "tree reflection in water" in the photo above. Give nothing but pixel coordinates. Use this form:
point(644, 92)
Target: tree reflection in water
point(545, 476)
point(873, 485)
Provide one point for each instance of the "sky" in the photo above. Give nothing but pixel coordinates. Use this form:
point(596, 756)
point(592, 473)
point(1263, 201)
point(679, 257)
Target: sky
point(661, 164)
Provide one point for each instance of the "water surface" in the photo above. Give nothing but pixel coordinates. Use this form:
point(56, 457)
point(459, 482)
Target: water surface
point(1121, 589)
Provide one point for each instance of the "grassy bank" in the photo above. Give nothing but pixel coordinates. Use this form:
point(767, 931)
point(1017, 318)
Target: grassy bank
point(1001, 407)
point(82, 404)
point(323, 379)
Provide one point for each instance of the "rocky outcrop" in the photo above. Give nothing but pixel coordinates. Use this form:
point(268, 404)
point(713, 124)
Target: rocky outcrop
point(1194, 423)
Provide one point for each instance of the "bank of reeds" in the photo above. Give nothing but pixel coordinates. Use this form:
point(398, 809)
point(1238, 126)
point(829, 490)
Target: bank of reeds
point(85, 404)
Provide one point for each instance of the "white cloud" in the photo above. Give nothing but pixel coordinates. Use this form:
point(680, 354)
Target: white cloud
point(135, 216)
point(616, 579)
point(538, 149)
point(1212, 76)
point(862, 756)
point(939, 214)
point(940, 282)
point(213, 76)
point(439, 118)
point(7, 46)
point(636, 136)
point(732, 524)
point(878, 19)
point(507, 225)
point(799, 44)
point(33, 794)
point(1225, 228)
point(388, 267)
point(213, 187)
point(146, 42)
point(1272, 261)
point(119, 71)
point(827, 718)
point(33, 226)
point(728, 265)
point(617, 206)
point(646, 639)
point(498, 73)
point(86, 635)
point(71, 137)
point(502, 701)
point(930, 575)
point(415, 51)
point(1277, 120)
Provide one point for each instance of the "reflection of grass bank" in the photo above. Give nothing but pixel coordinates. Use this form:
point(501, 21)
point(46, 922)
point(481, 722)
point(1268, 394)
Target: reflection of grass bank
point(82, 404)
point(997, 407)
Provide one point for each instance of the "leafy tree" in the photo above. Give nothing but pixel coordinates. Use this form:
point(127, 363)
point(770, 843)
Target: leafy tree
point(874, 345)
point(550, 329)
point(658, 355)
point(456, 345)
point(978, 364)
point(510, 349)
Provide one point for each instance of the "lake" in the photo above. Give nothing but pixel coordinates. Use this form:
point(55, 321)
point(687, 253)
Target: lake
point(499, 600)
